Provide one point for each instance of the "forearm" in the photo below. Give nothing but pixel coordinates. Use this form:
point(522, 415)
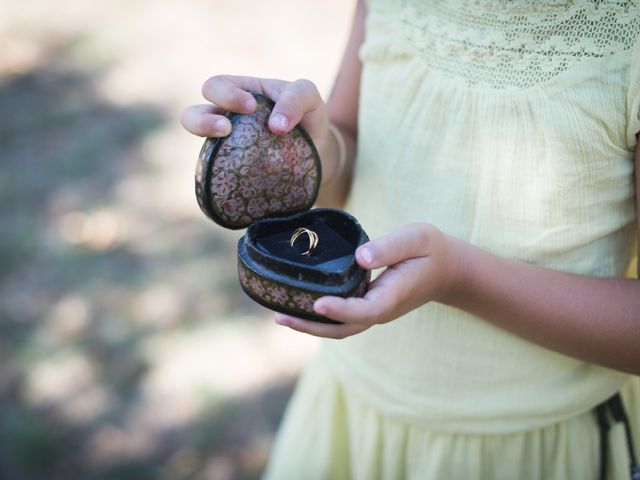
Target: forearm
point(337, 169)
point(594, 319)
point(342, 108)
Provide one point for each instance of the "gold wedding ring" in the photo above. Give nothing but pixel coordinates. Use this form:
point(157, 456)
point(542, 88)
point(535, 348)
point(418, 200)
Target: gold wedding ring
point(313, 239)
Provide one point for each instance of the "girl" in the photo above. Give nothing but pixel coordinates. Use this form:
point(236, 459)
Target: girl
point(490, 154)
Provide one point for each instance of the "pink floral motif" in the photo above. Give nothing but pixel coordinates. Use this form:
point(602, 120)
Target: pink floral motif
point(264, 142)
point(231, 207)
point(224, 183)
point(275, 205)
point(256, 286)
point(257, 207)
point(274, 157)
point(300, 167)
point(278, 294)
point(295, 197)
point(289, 151)
point(256, 171)
point(269, 182)
point(283, 295)
point(236, 158)
point(304, 150)
point(303, 301)
point(244, 134)
point(223, 160)
point(285, 178)
point(309, 185)
point(246, 187)
point(252, 154)
point(242, 274)
point(279, 189)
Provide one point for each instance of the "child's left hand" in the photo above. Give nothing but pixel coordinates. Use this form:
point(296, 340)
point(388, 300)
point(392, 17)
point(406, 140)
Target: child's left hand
point(423, 264)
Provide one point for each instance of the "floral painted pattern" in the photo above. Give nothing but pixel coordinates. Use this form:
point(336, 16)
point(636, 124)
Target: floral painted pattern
point(277, 294)
point(256, 173)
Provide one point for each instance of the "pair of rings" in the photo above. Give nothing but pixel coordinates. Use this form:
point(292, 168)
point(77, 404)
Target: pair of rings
point(313, 239)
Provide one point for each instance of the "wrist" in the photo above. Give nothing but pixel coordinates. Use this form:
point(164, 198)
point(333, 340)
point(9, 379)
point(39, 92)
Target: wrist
point(335, 155)
point(460, 272)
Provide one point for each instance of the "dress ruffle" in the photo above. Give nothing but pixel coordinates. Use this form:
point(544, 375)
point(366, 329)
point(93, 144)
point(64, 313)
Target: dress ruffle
point(329, 434)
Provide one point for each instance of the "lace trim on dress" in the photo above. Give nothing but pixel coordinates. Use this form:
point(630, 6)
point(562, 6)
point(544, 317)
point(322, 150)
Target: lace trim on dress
point(515, 44)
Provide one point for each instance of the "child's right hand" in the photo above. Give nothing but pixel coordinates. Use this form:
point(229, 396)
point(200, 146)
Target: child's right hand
point(295, 102)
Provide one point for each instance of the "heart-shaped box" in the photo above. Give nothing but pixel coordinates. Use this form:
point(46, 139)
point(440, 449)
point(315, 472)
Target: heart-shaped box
point(268, 183)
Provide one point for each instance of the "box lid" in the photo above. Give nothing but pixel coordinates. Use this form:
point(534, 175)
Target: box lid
point(254, 173)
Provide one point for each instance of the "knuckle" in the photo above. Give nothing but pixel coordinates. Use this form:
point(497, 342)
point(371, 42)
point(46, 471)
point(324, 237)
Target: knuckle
point(424, 232)
point(428, 228)
point(219, 89)
point(310, 91)
point(305, 85)
point(289, 103)
point(287, 106)
point(209, 84)
point(211, 92)
point(290, 93)
point(201, 124)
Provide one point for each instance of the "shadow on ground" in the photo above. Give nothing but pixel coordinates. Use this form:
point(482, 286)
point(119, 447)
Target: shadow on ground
point(93, 267)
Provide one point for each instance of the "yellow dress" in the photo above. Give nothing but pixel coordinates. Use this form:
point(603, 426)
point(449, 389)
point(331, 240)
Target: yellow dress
point(510, 124)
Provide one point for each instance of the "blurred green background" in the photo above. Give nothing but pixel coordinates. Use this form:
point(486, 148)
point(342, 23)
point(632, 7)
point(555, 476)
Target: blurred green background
point(127, 349)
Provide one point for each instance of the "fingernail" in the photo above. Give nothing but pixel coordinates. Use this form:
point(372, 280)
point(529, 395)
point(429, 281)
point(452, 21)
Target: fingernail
point(366, 255)
point(249, 105)
point(221, 125)
point(280, 121)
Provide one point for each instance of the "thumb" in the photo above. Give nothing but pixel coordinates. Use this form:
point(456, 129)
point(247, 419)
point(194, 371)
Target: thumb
point(409, 241)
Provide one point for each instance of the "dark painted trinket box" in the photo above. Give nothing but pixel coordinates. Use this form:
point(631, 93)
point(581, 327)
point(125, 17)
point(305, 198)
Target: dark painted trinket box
point(268, 183)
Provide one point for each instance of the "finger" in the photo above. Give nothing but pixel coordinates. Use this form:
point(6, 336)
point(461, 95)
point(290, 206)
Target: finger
point(368, 310)
point(232, 92)
point(205, 121)
point(386, 299)
point(318, 329)
point(295, 100)
point(409, 241)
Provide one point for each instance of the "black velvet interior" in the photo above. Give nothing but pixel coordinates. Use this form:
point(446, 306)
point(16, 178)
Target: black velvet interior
point(332, 247)
point(337, 240)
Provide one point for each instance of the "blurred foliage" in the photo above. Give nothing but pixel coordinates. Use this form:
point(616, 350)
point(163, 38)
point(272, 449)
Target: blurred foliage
point(127, 349)
point(94, 270)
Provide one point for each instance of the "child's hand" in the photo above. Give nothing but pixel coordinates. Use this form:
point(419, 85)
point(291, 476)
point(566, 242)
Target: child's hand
point(423, 264)
point(295, 102)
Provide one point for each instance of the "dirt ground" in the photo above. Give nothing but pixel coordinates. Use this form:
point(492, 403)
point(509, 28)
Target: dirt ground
point(127, 350)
